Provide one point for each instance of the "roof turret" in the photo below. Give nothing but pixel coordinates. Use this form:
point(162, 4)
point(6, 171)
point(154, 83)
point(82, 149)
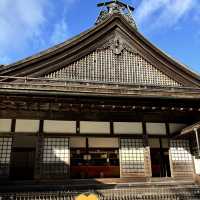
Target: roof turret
point(111, 7)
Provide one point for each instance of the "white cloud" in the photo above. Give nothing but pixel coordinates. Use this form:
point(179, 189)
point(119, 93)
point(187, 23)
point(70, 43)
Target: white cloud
point(31, 25)
point(20, 20)
point(60, 32)
point(163, 13)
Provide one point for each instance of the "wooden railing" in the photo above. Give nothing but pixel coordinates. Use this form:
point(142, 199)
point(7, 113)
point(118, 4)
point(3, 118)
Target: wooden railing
point(151, 193)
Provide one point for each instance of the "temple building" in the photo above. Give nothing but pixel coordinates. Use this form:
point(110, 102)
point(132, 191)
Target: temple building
point(104, 105)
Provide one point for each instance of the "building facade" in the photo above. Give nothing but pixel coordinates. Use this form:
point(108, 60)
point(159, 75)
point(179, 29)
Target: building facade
point(104, 104)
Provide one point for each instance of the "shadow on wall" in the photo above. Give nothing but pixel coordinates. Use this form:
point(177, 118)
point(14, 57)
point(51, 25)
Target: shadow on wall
point(55, 158)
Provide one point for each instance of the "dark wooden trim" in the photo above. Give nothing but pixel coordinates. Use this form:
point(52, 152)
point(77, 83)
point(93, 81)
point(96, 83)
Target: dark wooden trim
point(87, 144)
point(41, 126)
point(111, 128)
point(78, 127)
point(168, 133)
point(13, 125)
point(167, 129)
point(145, 135)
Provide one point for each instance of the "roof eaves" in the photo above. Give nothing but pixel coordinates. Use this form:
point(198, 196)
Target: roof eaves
point(49, 50)
point(171, 59)
point(190, 128)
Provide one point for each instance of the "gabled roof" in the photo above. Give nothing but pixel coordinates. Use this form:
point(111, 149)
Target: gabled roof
point(116, 26)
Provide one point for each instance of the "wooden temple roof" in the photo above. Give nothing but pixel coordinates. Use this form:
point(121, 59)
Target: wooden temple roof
point(110, 58)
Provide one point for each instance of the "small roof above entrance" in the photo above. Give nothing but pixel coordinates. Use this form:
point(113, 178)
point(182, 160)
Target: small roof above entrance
point(190, 129)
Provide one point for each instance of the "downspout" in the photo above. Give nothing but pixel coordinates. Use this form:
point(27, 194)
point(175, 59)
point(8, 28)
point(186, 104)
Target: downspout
point(197, 140)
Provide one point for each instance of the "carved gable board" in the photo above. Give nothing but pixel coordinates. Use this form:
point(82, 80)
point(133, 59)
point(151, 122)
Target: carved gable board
point(114, 63)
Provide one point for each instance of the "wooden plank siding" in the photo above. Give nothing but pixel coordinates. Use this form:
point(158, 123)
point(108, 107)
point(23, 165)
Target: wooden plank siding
point(181, 159)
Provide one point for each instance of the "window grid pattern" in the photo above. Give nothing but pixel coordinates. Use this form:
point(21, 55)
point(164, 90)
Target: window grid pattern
point(106, 66)
point(55, 157)
point(131, 156)
point(181, 155)
point(5, 154)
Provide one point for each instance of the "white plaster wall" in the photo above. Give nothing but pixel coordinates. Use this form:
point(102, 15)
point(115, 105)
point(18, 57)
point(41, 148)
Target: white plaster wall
point(53, 126)
point(127, 127)
point(5, 125)
point(156, 128)
point(94, 127)
point(27, 126)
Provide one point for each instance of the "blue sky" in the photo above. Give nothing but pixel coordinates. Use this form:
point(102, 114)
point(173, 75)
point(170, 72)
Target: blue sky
point(30, 26)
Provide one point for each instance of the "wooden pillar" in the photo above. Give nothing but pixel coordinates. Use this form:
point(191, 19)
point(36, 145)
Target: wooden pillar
point(38, 154)
point(147, 155)
point(169, 144)
point(77, 127)
point(111, 128)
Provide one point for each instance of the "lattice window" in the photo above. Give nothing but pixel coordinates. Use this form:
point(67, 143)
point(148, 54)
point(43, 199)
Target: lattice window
point(5, 154)
point(131, 156)
point(180, 150)
point(106, 66)
point(55, 157)
point(181, 155)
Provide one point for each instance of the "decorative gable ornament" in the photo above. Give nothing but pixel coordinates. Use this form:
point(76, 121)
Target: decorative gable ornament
point(116, 7)
point(117, 45)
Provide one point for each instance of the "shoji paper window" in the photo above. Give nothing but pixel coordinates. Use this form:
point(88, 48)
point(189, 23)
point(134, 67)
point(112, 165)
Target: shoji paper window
point(127, 127)
point(180, 151)
point(88, 127)
point(56, 157)
point(5, 125)
point(156, 128)
point(5, 153)
point(131, 157)
point(53, 126)
point(27, 126)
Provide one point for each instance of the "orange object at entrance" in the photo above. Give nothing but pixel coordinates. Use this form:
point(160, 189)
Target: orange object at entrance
point(94, 163)
point(95, 171)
